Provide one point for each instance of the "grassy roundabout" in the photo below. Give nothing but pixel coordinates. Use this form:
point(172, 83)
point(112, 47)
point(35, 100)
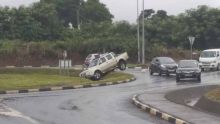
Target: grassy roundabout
point(26, 78)
point(214, 95)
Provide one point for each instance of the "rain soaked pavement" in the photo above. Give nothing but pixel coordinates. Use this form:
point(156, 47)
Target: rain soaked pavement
point(98, 105)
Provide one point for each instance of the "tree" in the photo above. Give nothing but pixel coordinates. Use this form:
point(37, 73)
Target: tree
point(147, 13)
point(69, 11)
point(202, 23)
point(46, 15)
point(94, 11)
point(161, 13)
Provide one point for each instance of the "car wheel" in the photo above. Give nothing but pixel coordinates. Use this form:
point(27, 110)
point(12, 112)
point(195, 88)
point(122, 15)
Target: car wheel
point(177, 78)
point(199, 78)
point(151, 72)
point(202, 69)
point(122, 65)
point(218, 67)
point(97, 75)
point(160, 73)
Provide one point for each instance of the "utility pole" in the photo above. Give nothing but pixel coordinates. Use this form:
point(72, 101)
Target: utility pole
point(78, 22)
point(138, 32)
point(143, 37)
point(78, 15)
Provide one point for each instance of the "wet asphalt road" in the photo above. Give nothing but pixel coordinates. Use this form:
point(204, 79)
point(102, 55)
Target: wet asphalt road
point(98, 105)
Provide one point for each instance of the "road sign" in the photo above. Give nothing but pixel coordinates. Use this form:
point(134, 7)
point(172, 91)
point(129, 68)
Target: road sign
point(191, 40)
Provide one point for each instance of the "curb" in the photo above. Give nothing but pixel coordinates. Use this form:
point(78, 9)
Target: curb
point(27, 66)
point(65, 87)
point(158, 113)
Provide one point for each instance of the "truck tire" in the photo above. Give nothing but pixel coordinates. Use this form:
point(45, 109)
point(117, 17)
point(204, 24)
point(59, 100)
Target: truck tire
point(122, 65)
point(97, 75)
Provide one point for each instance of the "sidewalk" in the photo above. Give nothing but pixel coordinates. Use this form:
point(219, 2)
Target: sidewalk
point(157, 101)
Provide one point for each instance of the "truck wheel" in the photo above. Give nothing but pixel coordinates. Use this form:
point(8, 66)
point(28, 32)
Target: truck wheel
point(122, 65)
point(97, 75)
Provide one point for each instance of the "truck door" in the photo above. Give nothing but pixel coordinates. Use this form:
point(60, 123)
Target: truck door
point(103, 64)
point(112, 62)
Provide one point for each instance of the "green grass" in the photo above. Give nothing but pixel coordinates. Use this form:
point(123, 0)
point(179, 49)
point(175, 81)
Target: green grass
point(15, 79)
point(214, 95)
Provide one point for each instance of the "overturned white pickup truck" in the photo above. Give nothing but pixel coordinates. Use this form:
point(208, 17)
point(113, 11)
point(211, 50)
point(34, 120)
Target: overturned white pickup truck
point(107, 62)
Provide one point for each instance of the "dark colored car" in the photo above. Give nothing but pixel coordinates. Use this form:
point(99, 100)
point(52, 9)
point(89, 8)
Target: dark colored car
point(188, 69)
point(163, 65)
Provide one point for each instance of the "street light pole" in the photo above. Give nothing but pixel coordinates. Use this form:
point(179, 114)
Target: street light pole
point(138, 32)
point(78, 15)
point(143, 37)
point(78, 23)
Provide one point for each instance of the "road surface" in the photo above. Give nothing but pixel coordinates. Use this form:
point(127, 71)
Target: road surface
point(97, 105)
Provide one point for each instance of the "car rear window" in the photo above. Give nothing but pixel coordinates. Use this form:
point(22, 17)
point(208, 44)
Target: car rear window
point(188, 64)
point(166, 60)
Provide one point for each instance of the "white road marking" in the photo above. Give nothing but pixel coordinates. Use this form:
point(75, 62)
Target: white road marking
point(7, 111)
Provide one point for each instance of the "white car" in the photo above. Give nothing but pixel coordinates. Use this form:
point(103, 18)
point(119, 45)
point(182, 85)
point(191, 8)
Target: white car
point(91, 57)
point(107, 62)
point(210, 59)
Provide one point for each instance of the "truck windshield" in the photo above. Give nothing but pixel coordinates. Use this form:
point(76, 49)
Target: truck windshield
point(208, 54)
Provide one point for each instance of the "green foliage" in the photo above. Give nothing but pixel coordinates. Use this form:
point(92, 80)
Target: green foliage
point(94, 11)
point(43, 30)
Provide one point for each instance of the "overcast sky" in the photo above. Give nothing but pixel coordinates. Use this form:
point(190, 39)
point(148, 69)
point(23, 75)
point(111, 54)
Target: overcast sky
point(126, 9)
